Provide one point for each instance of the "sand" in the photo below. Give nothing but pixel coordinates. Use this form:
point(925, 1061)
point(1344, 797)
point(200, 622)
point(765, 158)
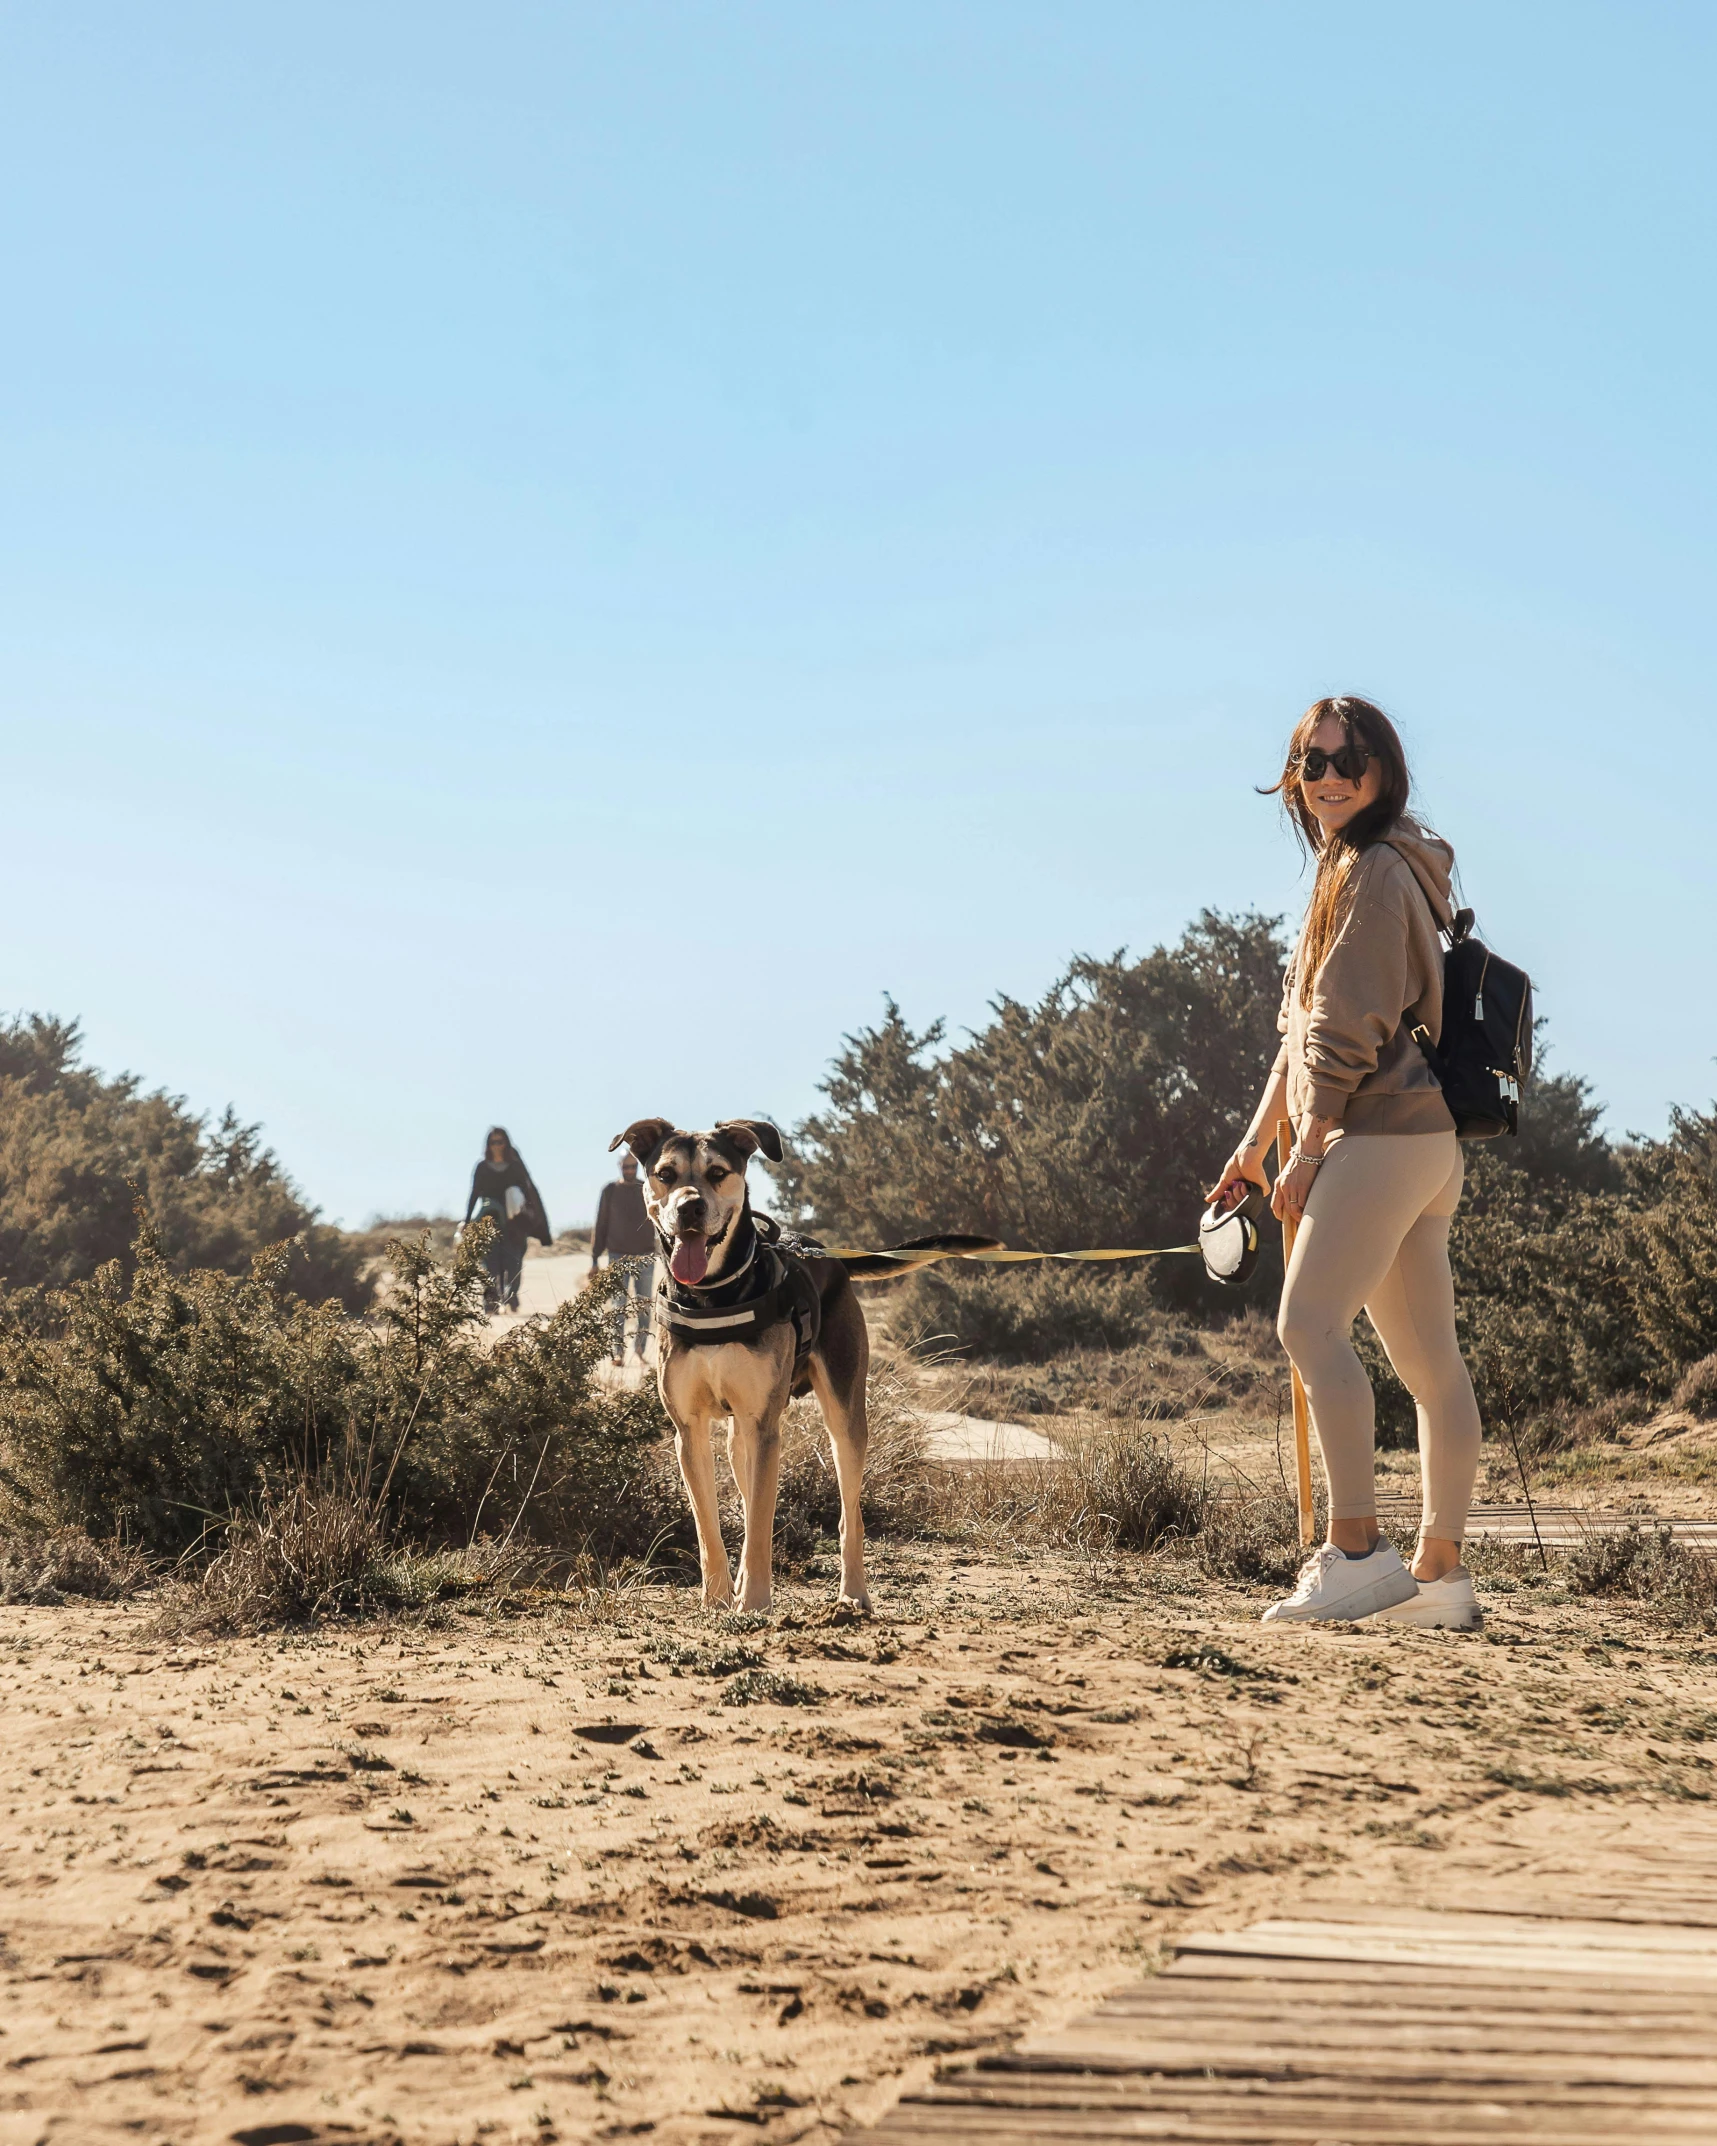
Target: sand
point(535, 1876)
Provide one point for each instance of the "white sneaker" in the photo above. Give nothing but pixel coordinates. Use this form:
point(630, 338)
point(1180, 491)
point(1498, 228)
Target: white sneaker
point(1449, 1604)
point(1340, 1589)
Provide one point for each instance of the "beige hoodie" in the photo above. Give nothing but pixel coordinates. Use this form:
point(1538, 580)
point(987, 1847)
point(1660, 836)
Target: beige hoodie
point(1350, 1054)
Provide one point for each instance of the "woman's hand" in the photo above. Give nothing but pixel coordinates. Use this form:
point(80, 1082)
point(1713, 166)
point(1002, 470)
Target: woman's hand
point(1244, 1167)
point(1293, 1188)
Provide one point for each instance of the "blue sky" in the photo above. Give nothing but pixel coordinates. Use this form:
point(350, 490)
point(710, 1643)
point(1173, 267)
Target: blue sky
point(549, 555)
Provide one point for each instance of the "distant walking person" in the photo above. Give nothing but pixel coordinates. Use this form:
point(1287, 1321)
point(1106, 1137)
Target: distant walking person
point(624, 1232)
point(1376, 1173)
point(501, 1189)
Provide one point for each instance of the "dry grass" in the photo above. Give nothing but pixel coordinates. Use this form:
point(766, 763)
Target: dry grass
point(1113, 1487)
point(1675, 1587)
point(1697, 1390)
point(899, 1476)
point(46, 1569)
point(322, 1545)
point(1252, 1537)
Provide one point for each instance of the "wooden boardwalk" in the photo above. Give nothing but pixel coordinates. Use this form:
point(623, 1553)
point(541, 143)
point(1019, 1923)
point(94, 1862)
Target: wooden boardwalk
point(1382, 2027)
point(1562, 1527)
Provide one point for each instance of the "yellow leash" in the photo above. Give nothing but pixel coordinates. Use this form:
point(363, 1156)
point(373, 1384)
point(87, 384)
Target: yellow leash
point(905, 1257)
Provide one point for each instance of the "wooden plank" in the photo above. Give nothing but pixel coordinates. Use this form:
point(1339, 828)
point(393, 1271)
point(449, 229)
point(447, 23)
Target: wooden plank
point(1278, 2055)
point(1537, 1961)
point(1542, 2034)
point(1361, 2126)
point(1594, 1995)
point(1361, 1998)
point(1502, 1927)
point(992, 2083)
point(1665, 1904)
point(1328, 2123)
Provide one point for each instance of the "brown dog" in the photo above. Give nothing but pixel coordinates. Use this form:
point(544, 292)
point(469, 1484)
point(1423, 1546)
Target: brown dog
point(744, 1322)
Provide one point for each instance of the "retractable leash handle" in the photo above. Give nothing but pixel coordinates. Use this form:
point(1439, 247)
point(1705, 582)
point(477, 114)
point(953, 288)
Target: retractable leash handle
point(1302, 1413)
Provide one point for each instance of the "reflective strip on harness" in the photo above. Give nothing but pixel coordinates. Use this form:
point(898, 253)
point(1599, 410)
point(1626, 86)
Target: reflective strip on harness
point(792, 1300)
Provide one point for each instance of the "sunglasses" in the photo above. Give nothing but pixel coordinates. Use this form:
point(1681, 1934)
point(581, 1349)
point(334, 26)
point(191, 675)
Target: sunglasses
point(1350, 763)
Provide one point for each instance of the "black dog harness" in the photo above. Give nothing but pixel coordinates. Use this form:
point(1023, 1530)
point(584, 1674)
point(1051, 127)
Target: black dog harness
point(772, 1285)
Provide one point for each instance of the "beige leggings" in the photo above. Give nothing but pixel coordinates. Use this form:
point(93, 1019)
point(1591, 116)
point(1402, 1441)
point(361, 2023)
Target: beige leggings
point(1376, 1233)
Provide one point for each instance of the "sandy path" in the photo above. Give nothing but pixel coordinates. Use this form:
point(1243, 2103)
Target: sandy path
point(530, 1878)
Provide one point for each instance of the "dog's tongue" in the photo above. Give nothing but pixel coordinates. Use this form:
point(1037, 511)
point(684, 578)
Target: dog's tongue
point(691, 1258)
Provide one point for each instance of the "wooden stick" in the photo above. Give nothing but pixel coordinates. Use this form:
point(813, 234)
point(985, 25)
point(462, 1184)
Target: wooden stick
point(1302, 1414)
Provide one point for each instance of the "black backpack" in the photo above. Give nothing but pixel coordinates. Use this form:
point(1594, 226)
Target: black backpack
point(1484, 1057)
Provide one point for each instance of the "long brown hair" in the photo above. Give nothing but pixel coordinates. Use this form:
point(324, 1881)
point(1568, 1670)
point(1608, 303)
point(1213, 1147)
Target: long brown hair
point(1366, 726)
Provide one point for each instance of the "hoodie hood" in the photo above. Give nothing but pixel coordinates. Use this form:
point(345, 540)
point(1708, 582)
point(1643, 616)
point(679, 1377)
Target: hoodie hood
point(1433, 862)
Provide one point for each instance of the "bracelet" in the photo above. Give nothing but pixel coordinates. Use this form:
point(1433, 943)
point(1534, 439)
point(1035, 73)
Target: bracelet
point(1300, 1155)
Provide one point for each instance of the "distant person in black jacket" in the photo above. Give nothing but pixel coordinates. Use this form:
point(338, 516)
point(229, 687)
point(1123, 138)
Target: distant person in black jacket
point(501, 1189)
point(624, 1232)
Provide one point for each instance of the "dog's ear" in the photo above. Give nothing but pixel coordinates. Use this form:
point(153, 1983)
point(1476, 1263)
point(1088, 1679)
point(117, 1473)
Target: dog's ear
point(750, 1134)
point(643, 1136)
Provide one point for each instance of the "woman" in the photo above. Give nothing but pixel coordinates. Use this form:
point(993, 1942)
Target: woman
point(501, 1190)
point(1376, 1172)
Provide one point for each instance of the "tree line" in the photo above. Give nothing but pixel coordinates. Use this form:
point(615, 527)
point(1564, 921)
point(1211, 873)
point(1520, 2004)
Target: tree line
point(1586, 1266)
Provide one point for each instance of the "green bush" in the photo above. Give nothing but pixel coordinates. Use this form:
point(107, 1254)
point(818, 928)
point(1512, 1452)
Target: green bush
point(1094, 1118)
point(520, 1427)
point(1671, 1247)
point(77, 1150)
point(1696, 1390)
point(1017, 1315)
point(158, 1406)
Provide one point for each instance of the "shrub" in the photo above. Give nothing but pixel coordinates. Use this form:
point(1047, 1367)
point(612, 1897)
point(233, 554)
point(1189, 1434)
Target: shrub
point(76, 1150)
point(515, 1436)
point(310, 1548)
point(163, 1406)
point(1696, 1390)
point(1093, 1118)
point(1017, 1315)
point(47, 1569)
point(321, 1547)
point(150, 1407)
point(1254, 1538)
point(1672, 1246)
point(1111, 1486)
point(1677, 1586)
point(1565, 1425)
point(1126, 1489)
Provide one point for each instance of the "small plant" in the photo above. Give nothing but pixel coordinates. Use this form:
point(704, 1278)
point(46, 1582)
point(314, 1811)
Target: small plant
point(1696, 1391)
point(1676, 1586)
point(771, 1687)
point(50, 1568)
point(1111, 1486)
